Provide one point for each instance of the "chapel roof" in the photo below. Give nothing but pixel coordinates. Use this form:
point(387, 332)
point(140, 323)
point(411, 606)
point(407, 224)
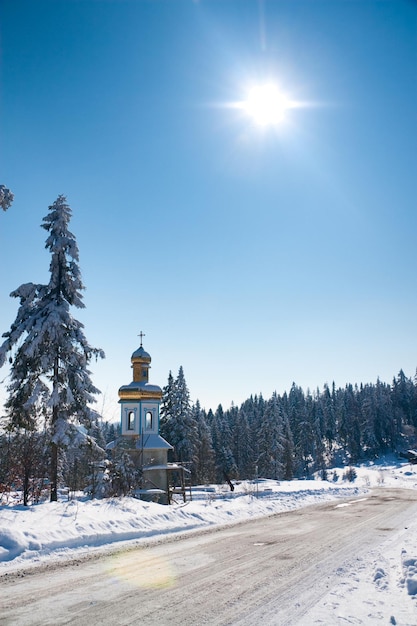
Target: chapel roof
point(140, 353)
point(141, 386)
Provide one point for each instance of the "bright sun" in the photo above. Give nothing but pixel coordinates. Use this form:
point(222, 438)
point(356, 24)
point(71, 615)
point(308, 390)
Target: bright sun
point(266, 105)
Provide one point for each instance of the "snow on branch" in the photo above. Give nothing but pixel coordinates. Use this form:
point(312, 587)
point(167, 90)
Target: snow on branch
point(6, 197)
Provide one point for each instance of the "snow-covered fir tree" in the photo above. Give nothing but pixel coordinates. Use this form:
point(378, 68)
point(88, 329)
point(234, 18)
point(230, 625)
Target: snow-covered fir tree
point(122, 474)
point(48, 350)
point(243, 450)
point(327, 402)
point(301, 428)
point(204, 469)
point(166, 410)
point(353, 423)
point(317, 423)
point(223, 439)
point(6, 197)
point(404, 398)
point(178, 425)
point(271, 438)
point(288, 451)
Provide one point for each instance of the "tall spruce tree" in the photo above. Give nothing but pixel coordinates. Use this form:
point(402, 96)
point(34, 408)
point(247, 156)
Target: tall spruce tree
point(167, 407)
point(288, 451)
point(178, 424)
point(50, 354)
point(222, 436)
point(204, 470)
point(270, 440)
point(405, 398)
point(301, 428)
point(326, 401)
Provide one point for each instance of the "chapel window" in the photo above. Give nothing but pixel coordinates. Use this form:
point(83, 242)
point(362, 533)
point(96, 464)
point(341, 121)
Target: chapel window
point(148, 420)
point(131, 420)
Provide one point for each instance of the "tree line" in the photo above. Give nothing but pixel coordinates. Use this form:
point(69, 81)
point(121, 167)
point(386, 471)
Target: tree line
point(290, 435)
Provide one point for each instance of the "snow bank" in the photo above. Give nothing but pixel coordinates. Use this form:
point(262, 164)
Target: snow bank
point(64, 529)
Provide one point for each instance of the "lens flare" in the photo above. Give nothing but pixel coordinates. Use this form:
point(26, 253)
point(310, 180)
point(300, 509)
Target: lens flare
point(141, 571)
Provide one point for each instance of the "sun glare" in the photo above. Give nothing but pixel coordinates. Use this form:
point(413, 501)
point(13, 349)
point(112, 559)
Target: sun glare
point(266, 105)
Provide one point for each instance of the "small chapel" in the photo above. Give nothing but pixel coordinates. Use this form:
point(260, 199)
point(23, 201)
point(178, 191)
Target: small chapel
point(139, 414)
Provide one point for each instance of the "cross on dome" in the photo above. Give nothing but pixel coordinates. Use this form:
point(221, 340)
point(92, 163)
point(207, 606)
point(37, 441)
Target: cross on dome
point(141, 335)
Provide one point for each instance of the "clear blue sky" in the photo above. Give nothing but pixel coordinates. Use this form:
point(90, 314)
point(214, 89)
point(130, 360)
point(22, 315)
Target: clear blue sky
point(252, 256)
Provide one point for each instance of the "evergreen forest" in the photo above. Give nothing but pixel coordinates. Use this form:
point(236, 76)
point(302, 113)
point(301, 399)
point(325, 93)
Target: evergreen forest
point(292, 435)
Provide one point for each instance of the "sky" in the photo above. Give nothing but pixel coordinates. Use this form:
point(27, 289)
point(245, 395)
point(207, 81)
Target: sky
point(253, 255)
point(377, 584)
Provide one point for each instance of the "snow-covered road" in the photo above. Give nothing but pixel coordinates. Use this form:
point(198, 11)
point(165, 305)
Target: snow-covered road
point(286, 569)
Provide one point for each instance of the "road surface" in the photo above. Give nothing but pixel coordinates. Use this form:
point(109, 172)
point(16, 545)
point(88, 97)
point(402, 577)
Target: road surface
point(267, 571)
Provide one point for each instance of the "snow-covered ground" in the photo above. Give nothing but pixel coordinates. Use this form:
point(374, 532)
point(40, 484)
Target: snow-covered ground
point(384, 581)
